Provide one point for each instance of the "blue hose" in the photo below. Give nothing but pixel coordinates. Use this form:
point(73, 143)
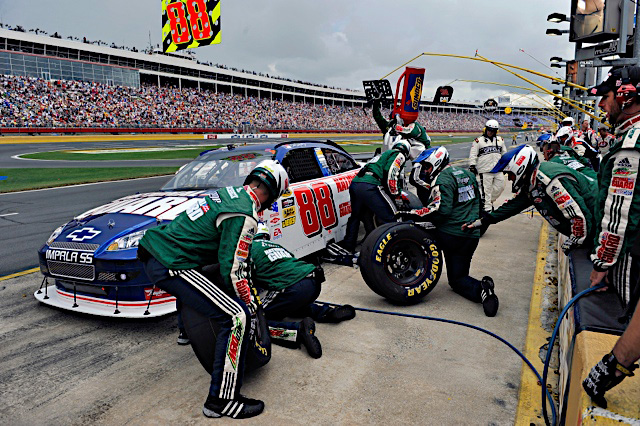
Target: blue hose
point(513, 348)
point(552, 341)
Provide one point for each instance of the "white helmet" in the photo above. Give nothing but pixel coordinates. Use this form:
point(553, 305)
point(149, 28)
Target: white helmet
point(564, 131)
point(492, 124)
point(436, 156)
point(262, 233)
point(518, 164)
point(273, 175)
point(568, 121)
point(403, 146)
point(390, 138)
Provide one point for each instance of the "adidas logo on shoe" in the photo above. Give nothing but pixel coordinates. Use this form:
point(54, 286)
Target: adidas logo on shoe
point(239, 408)
point(490, 302)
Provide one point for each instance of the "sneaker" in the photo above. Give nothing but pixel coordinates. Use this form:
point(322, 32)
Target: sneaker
point(339, 314)
point(489, 299)
point(307, 338)
point(183, 339)
point(239, 408)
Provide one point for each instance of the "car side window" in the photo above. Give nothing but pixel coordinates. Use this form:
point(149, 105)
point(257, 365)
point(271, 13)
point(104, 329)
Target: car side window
point(338, 162)
point(301, 164)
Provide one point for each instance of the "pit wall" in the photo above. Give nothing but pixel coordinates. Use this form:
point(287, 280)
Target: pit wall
point(587, 333)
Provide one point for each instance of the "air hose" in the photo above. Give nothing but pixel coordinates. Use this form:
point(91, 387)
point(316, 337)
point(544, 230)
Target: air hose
point(552, 341)
point(474, 327)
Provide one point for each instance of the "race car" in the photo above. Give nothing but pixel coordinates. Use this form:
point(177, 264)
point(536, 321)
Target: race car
point(92, 259)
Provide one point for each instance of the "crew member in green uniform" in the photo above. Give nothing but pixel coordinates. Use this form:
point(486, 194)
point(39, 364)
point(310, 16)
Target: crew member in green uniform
point(413, 133)
point(453, 200)
point(563, 196)
point(289, 287)
point(616, 252)
point(556, 153)
point(217, 229)
point(375, 188)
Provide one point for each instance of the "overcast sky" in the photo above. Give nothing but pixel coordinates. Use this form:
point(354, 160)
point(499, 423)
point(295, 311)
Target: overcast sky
point(336, 42)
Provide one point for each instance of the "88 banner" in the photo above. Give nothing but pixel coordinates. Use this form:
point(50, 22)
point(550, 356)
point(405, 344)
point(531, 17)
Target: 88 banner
point(187, 24)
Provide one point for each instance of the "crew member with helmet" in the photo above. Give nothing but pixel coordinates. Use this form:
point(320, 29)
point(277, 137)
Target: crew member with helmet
point(414, 133)
point(616, 254)
point(563, 196)
point(566, 137)
point(375, 188)
point(218, 229)
point(289, 287)
point(485, 153)
point(451, 197)
point(604, 140)
point(568, 122)
point(555, 153)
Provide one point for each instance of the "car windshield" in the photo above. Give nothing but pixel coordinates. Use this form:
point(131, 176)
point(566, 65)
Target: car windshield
point(223, 169)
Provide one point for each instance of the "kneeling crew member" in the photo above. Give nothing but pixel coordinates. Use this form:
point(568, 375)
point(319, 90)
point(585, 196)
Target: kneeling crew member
point(218, 228)
point(453, 200)
point(289, 287)
point(563, 196)
point(375, 188)
point(555, 153)
point(485, 153)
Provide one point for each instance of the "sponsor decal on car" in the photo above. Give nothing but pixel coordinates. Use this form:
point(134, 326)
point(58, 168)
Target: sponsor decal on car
point(342, 182)
point(288, 221)
point(277, 234)
point(274, 207)
point(87, 233)
point(158, 293)
point(289, 211)
point(274, 220)
point(287, 193)
point(288, 202)
point(345, 208)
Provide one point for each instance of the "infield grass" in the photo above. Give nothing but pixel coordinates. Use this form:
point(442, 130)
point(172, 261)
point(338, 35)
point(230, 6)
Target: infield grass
point(25, 179)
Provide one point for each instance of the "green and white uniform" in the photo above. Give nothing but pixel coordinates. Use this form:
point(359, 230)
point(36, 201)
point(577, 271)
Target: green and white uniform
point(383, 171)
point(274, 267)
point(454, 201)
point(563, 196)
point(569, 158)
point(618, 210)
point(219, 228)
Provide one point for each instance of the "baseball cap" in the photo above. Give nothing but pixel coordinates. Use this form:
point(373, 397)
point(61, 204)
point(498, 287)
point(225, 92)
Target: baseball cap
point(614, 80)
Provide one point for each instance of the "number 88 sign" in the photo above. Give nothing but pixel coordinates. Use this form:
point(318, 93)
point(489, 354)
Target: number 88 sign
point(187, 24)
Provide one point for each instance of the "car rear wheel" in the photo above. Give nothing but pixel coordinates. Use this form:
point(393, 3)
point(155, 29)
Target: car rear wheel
point(401, 262)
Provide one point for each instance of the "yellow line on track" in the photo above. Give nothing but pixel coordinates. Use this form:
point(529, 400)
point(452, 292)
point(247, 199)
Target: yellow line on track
point(19, 274)
point(529, 409)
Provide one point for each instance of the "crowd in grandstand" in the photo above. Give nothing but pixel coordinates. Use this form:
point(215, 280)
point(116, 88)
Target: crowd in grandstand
point(33, 102)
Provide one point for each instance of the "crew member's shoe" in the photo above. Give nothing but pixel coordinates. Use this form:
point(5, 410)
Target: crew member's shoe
point(489, 299)
point(238, 408)
point(339, 314)
point(307, 337)
point(183, 339)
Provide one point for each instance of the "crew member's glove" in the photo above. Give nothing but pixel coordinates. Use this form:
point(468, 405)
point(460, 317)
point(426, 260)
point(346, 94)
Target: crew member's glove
point(602, 377)
point(473, 169)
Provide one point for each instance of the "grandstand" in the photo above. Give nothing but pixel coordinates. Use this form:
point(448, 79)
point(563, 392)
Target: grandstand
point(52, 84)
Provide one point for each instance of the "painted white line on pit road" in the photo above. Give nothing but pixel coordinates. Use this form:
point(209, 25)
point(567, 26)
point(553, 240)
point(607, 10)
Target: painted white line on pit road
point(8, 214)
point(81, 184)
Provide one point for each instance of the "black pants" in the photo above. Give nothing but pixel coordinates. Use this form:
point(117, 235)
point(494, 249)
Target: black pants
point(294, 301)
point(366, 195)
point(458, 252)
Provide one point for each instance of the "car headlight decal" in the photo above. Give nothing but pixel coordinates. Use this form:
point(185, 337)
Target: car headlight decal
point(55, 234)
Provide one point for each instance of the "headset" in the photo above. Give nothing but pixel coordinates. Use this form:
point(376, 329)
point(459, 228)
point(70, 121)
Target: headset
point(627, 92)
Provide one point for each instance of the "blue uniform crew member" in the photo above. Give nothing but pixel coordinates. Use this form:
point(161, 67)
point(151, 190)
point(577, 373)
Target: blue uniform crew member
point(219, 228)
point(375, 188)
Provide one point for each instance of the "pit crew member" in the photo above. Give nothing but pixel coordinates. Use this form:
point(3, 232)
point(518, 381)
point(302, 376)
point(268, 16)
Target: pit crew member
point(563, 196)
point(616, 254)
point(414, 133)
point(567, 138)
point(604, 140)
point(587, 134)
point(289, 287)
point(375, 187)
point(485, 153)
point(219, 228)
point(454, 199)
point(555, 153)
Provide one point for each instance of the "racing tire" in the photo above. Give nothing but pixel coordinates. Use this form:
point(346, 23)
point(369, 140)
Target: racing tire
point(401, 262)
point(203, 332)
